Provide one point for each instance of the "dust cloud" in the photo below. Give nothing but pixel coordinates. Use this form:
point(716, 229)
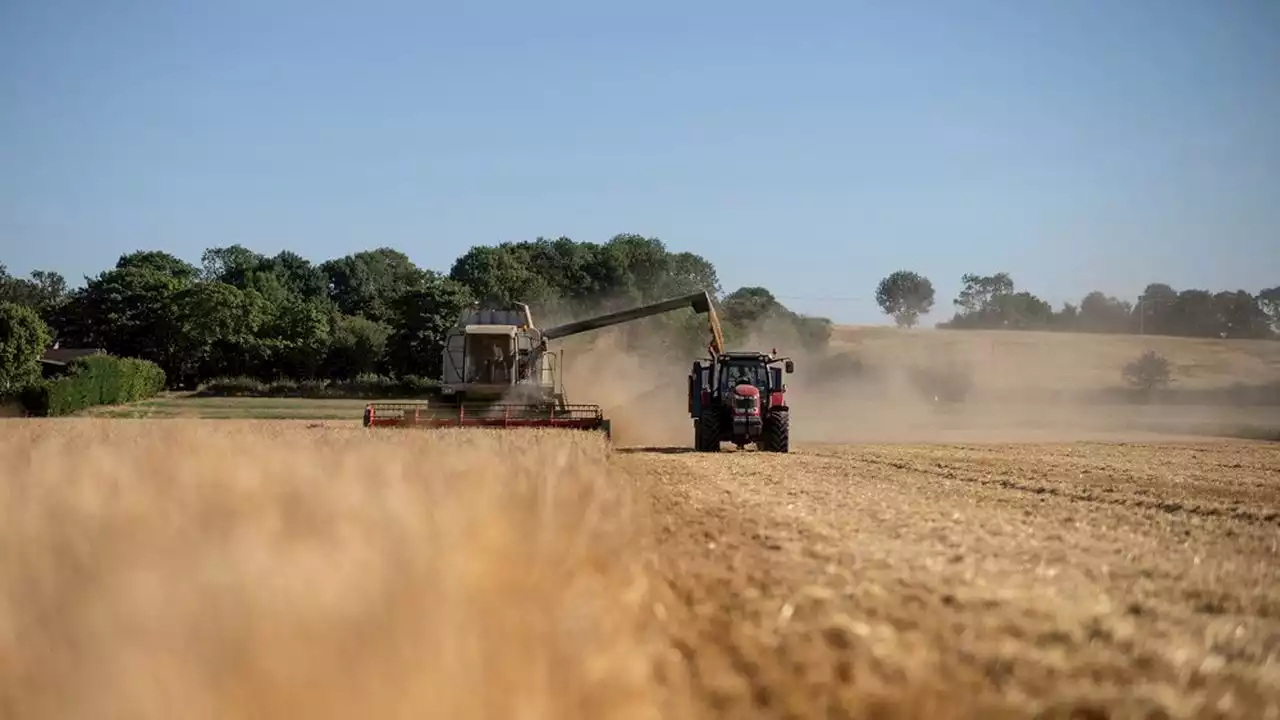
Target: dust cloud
point(644, 394)
point(889, 385)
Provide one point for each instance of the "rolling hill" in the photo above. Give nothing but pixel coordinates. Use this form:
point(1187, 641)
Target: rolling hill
point(1025, 360)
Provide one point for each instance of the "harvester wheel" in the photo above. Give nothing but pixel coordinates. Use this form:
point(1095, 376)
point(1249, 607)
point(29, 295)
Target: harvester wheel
point(707, 436)
point(777, 432)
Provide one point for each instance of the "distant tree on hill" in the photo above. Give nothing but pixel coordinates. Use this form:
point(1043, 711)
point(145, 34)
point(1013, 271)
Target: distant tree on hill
point(1023, 311)
point(905, 296)
point(1068, 318)
point(989, 302)
point(1240, 315)
point(981, 293)
point(1102, 313)
point(1156, 310)
point(749, 306)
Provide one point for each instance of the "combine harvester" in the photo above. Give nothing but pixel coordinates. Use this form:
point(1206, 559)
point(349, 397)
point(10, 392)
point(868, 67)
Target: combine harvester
point(498, 372)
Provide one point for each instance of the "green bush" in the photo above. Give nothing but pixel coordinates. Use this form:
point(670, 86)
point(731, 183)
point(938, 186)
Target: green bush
point(23, 338)
point(1148, 372)
point(233, 387)
point(94, 380)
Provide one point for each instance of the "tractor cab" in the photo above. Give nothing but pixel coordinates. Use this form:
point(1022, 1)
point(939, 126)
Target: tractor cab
point(738, 373)
point(747, 368)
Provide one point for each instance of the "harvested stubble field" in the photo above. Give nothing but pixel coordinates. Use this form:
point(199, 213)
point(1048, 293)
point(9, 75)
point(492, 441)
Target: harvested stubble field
point(263, 569)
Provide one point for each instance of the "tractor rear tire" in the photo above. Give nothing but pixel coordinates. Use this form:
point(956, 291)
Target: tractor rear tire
point(707, 436)
point(776, 435)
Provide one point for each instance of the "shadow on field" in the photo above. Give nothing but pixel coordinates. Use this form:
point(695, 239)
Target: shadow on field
point(680, 450)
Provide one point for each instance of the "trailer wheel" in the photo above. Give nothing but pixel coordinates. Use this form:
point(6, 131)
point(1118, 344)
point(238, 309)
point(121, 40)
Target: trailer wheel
point(777, 432)
point(707, 436)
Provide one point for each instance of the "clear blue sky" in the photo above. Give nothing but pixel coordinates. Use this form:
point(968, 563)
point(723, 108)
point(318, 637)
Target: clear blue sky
point(809, 147)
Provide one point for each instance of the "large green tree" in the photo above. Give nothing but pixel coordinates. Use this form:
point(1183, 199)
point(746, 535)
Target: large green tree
point(357, 345)
point(277, 279)
point(1155, 308)
point(905, 296)
point(1022, 310)
point(1240, 315)
point(981, 293)
point(1102, 313)
point(219, 327)
point(129, 310)
point(502, 275)
point(43, 291)
point(421, 320)
point(369, 283)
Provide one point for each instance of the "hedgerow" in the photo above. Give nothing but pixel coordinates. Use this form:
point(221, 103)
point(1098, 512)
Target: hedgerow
point(94, 380)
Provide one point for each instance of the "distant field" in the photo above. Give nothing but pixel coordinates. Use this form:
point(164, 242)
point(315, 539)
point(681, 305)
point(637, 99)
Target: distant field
point(1066, 361)
point(184, 405)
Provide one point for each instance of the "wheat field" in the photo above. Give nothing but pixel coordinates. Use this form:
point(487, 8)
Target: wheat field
point(260, 570)
point(271, 569)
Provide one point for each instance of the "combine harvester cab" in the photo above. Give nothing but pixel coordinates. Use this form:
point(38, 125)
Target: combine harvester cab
point(498, 372)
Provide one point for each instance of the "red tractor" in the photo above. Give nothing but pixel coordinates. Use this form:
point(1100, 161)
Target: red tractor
point(739, 397)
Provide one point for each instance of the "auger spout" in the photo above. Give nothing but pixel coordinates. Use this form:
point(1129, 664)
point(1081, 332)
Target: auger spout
point(699, 301)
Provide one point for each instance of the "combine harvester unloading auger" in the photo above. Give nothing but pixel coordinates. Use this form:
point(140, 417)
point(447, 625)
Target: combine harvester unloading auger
point(498, 372)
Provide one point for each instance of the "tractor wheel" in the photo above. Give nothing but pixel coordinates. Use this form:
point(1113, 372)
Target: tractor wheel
point(776, 435)
point(708, 433)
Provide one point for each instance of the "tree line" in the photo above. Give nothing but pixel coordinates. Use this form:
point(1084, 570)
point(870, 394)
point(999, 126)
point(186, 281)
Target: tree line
point(994, 302)
point(241, 313)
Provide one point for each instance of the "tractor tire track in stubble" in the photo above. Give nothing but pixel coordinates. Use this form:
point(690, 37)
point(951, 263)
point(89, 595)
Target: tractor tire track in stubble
point(1041, 482)
point(896, 581)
